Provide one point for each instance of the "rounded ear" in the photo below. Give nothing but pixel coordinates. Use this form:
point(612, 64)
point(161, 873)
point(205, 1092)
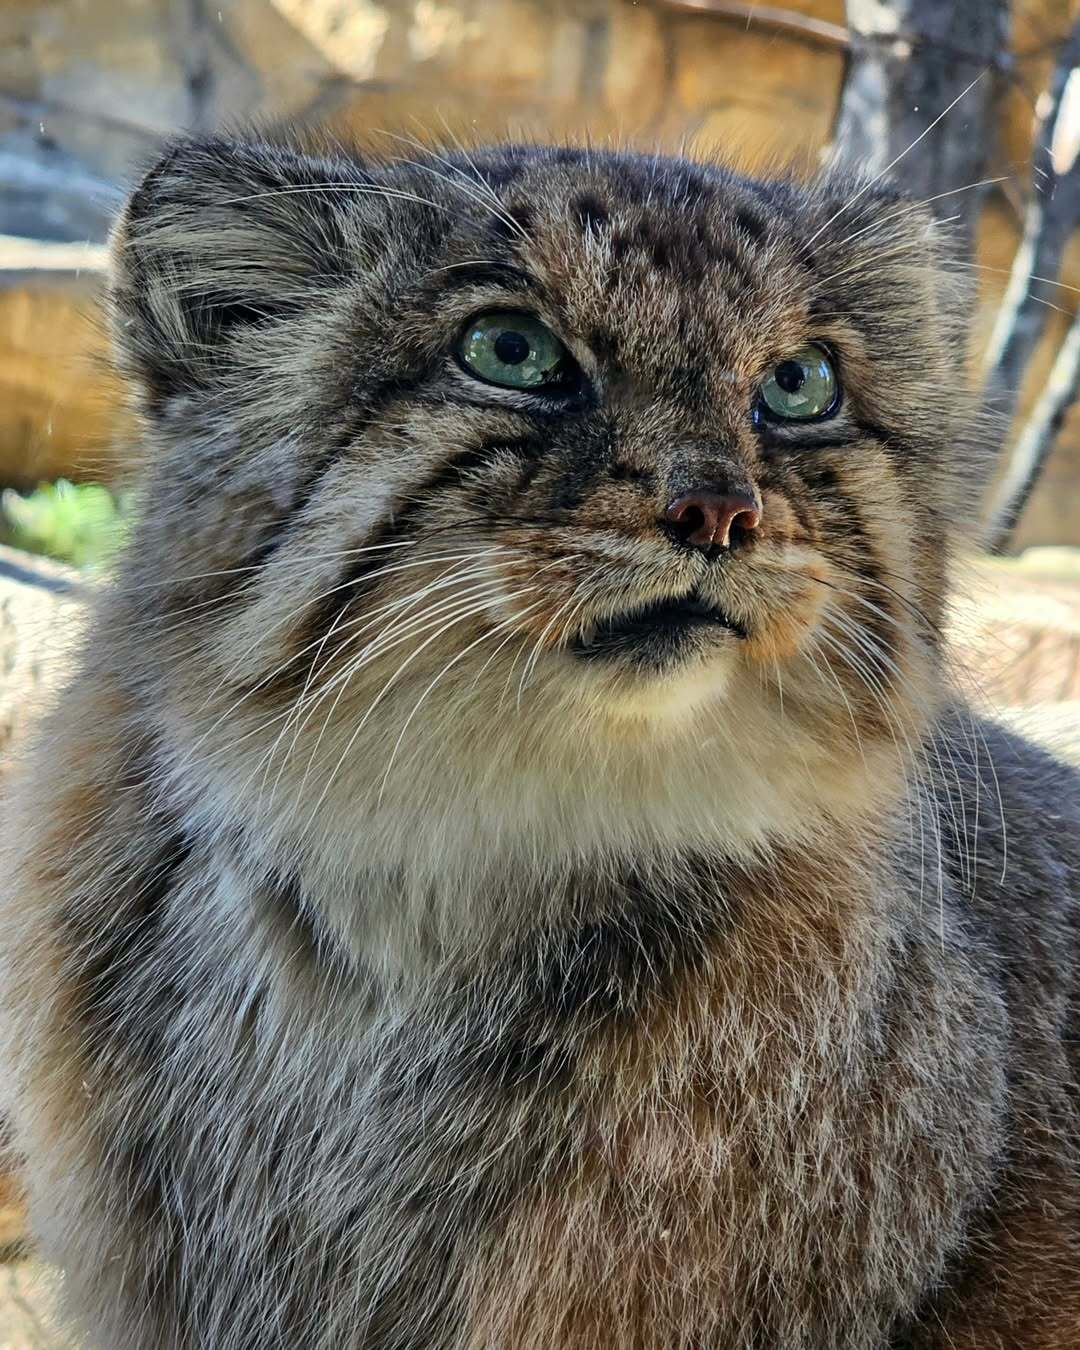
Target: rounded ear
point(219, 236)
point(913, 262)
point(853, 207)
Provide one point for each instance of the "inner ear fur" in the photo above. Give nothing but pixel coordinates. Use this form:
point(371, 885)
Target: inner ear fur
point(220, 235)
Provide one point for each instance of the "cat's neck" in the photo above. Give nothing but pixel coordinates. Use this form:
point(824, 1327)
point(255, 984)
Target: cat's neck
point(498, 827)
point(462, 893)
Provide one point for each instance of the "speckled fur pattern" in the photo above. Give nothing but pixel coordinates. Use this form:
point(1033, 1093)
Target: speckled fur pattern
point(379, 974)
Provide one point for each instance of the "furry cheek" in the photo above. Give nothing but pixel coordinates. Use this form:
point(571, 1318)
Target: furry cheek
point(789, 627)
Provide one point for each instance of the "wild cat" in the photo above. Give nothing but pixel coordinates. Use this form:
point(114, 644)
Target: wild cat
point(511, 870)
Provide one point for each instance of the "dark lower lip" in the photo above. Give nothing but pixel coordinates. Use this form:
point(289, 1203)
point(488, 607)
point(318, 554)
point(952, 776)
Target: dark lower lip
point(655, 634)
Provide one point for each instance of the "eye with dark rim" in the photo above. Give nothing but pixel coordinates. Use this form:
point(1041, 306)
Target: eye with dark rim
point(803, 387)
point(515, 350)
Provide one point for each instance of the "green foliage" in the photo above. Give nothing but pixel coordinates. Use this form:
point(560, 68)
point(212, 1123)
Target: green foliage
point(82, 524)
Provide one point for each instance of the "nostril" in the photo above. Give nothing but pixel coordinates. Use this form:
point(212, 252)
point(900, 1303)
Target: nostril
point(687, 521)
point(712, 520)
point(742, 524)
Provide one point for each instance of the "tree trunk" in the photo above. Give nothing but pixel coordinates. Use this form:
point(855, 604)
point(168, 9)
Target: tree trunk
point(909, 60)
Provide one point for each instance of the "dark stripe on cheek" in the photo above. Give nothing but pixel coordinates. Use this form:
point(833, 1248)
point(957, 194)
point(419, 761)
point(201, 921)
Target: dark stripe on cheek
point(823, 482)
point(791, 437)
point(892, 442)
point(826, 436)
point(280, 531)
point(361, 574)
point(420, 499)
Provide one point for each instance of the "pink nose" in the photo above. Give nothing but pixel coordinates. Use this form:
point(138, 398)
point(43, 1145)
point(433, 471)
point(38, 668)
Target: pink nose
point(712, 519)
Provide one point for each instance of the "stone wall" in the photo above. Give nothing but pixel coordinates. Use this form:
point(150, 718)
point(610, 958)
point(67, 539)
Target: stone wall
point(88, 88)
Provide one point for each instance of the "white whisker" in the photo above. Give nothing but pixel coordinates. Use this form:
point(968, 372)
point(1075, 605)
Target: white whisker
point(894, 162)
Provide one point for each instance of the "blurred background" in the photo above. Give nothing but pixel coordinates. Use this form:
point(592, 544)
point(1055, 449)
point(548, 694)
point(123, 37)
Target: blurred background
point(89, 87)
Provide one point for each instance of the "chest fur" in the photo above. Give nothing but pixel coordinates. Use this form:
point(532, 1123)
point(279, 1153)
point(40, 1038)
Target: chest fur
point(724, 1160)
point(740, 1175)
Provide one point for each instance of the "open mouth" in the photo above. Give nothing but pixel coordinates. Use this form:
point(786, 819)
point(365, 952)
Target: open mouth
point(654, 633)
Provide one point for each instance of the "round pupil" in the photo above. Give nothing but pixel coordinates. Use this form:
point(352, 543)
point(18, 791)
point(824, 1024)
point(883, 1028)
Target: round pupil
point(790, 376)
point(511, 348)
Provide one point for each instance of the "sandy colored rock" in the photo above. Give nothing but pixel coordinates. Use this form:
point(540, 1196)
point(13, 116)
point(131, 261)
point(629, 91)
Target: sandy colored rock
point(26, 1302)
point(263, 66)
point(60, 408)
point(114, 57)
point(1054, 726)
point(1016, 628)
point(12, 1211)
point(635, 85)
point(1053, 514)
point(41, 610)
point(721, 67)
point(506, 47)
point(41, 605)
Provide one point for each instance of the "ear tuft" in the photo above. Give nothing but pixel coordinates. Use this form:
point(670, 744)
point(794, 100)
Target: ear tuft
point(221, 236)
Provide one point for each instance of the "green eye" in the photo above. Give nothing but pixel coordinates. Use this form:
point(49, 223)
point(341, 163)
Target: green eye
point(513, 349)
point(801, 386)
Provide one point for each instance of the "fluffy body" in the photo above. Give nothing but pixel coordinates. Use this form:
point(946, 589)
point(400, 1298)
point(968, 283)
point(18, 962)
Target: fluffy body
point(380, 974)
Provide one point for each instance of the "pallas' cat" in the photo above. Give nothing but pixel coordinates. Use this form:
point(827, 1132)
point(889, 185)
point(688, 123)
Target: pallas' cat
point(511, 871)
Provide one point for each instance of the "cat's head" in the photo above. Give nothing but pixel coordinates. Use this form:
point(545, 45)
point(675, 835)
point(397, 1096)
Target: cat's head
point(594, 492)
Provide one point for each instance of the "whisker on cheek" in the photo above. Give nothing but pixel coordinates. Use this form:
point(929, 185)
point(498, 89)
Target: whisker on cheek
point(484, 637)
point(387, 639)
point(467, 612)
point(390, 569)
point(538, 644)
point(298, 564)
point(361, 622)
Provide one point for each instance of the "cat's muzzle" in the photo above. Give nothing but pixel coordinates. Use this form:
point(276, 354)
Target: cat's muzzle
point(656, 634)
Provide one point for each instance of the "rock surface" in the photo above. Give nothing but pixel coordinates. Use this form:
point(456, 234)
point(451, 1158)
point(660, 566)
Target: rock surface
point(41, 607)
point(25, 1302)
point(1016, 629)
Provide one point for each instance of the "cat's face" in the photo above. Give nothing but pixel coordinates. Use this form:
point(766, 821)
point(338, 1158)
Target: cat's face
point(574, 463)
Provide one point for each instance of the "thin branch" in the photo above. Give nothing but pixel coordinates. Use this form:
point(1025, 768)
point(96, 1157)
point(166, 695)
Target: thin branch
point(766, 16)
point(40, 109)
point(1033, 448)
point(1052, 216)
point(43, 255)
point(909, 60)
